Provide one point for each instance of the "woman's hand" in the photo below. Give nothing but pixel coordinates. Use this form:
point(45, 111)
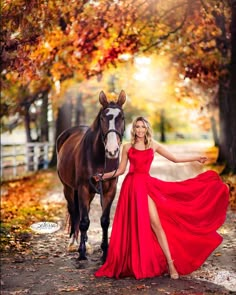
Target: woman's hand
point(202, 159)
point(97, 177)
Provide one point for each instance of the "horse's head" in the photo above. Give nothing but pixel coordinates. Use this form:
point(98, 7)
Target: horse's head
point(112, 123)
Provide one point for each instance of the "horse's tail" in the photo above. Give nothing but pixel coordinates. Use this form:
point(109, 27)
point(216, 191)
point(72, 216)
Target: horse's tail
point(73, 208)
point(71, 196)
point(76, 214)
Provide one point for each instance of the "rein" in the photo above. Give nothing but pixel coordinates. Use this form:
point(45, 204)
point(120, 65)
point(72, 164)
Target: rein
point(99, 189)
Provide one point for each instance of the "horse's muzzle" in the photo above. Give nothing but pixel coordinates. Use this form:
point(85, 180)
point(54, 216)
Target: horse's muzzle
point(112, 154)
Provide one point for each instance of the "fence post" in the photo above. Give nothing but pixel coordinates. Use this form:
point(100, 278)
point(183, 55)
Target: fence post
point(14, 161)
point(36, 157)
point(27, 159)
point(2, 155)
point(46, 149)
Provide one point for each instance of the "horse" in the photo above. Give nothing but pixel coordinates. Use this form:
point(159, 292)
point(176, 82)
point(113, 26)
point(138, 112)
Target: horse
point(82, 152)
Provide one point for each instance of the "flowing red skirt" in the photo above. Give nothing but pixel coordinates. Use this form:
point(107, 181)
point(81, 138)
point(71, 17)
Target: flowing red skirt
point(190, 212)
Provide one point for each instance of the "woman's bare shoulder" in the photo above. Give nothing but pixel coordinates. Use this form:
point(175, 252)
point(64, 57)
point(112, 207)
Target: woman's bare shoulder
point(155, 145)
point(127, 146)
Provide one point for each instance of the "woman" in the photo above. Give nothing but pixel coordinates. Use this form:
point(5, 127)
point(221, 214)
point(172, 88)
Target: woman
point(161, 226)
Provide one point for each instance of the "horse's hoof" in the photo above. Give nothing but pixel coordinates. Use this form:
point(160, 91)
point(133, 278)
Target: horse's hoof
point(81, 264)
point(103, 259)
point(72, 248)
point(82, 257)
point(89, 248)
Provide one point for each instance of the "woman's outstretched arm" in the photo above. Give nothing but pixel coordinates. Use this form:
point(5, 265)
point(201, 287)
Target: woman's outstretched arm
point(177, 159)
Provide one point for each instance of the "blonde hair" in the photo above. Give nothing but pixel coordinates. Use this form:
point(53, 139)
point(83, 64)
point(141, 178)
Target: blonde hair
point(148, 135)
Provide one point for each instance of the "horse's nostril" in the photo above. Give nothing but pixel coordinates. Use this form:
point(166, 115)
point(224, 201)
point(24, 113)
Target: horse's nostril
point(111, 154)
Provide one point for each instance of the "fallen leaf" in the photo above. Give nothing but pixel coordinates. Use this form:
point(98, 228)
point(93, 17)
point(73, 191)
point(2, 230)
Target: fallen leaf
point(141, 287)
point(217, 254)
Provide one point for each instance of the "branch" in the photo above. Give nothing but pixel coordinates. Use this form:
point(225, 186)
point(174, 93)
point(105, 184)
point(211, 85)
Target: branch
point(204, 6)
point(172, 8)
point(164, 37)
point(138, 16)
point(204, 39)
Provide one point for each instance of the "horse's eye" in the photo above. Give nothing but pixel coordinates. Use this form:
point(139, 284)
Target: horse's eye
point(121, 116)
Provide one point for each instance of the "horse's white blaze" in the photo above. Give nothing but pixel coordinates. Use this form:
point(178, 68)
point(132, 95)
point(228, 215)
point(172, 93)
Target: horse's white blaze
point(112, 145)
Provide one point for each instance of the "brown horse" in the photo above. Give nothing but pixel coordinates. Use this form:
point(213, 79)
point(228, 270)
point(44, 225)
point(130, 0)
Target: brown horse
point(81, 153)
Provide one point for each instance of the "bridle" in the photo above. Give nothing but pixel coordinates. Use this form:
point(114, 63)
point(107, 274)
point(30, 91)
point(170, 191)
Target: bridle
point(98, 189)
point(120, 134)
point(104, 136)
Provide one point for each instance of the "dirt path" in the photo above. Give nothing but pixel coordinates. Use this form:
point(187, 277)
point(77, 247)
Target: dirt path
point(48, 268)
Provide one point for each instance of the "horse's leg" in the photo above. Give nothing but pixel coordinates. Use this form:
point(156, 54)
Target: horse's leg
point(84, 199)
point(106, 203)
point(72, 205)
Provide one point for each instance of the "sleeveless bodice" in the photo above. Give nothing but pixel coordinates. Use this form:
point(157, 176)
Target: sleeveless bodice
point(140, 160)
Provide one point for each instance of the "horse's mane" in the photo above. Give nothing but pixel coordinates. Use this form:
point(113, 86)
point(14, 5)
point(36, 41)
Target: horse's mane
point(93, 134)
point(95, 125)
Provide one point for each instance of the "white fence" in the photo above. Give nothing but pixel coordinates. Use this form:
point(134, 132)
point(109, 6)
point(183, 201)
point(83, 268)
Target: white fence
point(17, 159)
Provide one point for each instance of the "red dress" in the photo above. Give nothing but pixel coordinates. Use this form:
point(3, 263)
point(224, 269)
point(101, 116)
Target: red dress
point(190, 212)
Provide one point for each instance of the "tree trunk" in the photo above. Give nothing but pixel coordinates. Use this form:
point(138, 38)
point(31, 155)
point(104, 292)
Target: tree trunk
point(44, 128)
point(27, 124)
point(80, 112)
point(112, 83)
point(43, 131)
point(162, 126)
point(223, 47)
point(30, 150)
point(63, 122)
point(231, 98)
point(223, 113)
point(214, 131)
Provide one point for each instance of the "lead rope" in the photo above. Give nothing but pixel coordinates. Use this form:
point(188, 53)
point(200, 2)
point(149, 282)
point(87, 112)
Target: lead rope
point(99, 189)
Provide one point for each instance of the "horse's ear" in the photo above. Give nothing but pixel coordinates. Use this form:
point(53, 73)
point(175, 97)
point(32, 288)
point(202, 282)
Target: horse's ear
point(122, 98)
point(103, 99)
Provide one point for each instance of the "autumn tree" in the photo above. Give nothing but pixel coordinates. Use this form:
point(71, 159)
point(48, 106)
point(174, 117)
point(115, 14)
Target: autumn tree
point(208, 47)
point(53, 41)
point(231, 101)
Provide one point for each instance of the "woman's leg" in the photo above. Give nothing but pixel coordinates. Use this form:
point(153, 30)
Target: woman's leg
point(161, 236)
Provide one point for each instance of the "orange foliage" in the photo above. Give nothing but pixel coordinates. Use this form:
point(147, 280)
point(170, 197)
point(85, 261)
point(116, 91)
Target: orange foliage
point(23, 203)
